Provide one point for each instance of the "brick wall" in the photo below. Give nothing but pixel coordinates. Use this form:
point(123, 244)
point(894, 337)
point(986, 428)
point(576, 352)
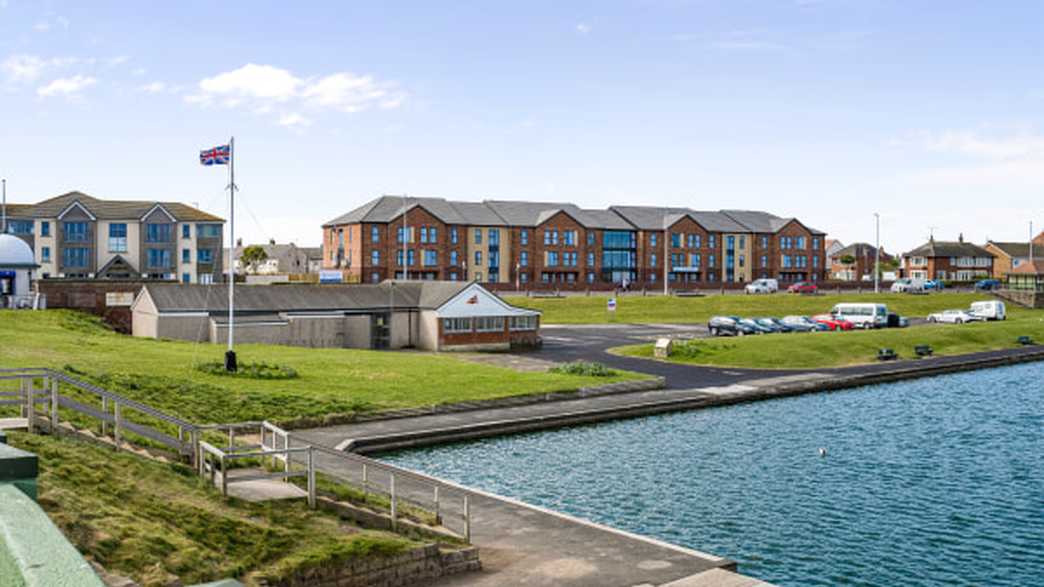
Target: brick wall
point(90, 296)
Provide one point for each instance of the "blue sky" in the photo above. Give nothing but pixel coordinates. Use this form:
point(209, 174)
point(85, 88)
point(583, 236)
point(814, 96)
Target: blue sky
point(829, 110)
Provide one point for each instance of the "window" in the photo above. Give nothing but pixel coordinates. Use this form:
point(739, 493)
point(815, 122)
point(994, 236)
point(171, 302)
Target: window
point(618, 239)
point(208, 231)
point(552, 258)
point(524, 322)
point(550, 236)
point(712, 241)
point(45, 254)
point(677, 259)
point(815, 261)
point(453, 258)
point(815, 242)
point(20, 226)
point(399, 233)
point(205, 256)
point(454, 236)
point(453, 325)
point(569, 259)
point(424, 235)
point(591, 238)
point(478, 258)
point(186, 231)
point(800, 242)
point(375, 234)
point(186, 256)
point(411, 257)
point(742, 260)
point(523, 277)
point(478, 276)
point(694, 241)
point(523, 259)
point(730, 243)
point(676, 239)
point(118, 238)
point(652, 239)
point(711, 261)
point(694, 260)
point(375, 257)
point(590, 259)
point(433, 234)
point(185, 277)
point(453, 276)
point(652, 260)
point(493, 277)
point(652, 277)
point(478, 236)
point(489, 323)
point(75, 232)
point(569, 237)
point(494, 237)
point(206, 278)
point(786, 261)
point(764, 261)
point(157, 233)
point(431, 258)
point(159, 258)
point(523, 236)
point(494, 259)
point(45, 228)
point(742, 242)
point(764, 242)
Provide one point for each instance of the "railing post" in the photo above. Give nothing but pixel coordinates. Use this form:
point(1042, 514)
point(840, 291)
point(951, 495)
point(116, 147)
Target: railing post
point(27, 391)
point(286, 455)
point(231, 436)
point(105, 408)
point(54, 407)
point(365, 484)
point(224, 476)
point(311, 477)
point(116, 423)
point(467, 519)
point(436, 504)
point(394, 505)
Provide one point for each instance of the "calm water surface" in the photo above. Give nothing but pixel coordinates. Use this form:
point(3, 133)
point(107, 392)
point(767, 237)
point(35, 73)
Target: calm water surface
point(930, 482)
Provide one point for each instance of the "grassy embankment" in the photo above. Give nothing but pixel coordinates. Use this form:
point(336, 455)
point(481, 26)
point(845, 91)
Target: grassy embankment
point(162, 373)
point(154, 522)
point(633, 309)
point(837, 349)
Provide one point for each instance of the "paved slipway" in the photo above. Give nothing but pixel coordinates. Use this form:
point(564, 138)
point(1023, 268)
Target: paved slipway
point(524, 545)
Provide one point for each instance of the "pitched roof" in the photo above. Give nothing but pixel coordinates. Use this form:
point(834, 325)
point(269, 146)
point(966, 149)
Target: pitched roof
point(859, 250)
point(758, 221)
point(19, 210)
point(934, 248)
point(478, 214)
point(112, 209)
point(1012, 249)
point(387, 208)
point(173, 297)
point(1034, 268)
point(718, 221)
point(650, 217)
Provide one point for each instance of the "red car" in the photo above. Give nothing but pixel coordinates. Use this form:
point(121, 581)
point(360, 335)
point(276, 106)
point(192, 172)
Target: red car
point(803, 287)
point(833, 323)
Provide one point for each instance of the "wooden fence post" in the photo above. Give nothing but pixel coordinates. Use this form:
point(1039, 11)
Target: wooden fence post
point(224, 476)
point(311, 477)
point(105, 409)
point(365, 483)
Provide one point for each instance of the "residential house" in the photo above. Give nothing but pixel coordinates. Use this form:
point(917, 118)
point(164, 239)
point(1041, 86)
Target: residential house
point(862, 258)
point(1010, 255)
point(948, 260)
point(280, 259)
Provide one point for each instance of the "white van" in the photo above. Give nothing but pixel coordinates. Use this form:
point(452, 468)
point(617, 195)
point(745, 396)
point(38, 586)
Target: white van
point(907, 285)
point(862, 315)
point(989, 310)
point(763, 285)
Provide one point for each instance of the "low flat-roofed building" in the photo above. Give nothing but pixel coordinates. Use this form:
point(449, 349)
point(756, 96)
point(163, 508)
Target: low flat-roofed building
point(429, 315)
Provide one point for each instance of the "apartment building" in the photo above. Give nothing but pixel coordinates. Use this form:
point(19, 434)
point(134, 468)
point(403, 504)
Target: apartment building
point(547, 244)
point(948, 260)
point(75, 235)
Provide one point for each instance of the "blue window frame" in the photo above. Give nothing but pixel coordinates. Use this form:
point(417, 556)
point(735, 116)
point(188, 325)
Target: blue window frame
point(478, 236)
point(75, 232)
point(186, 256)
point(478, 258)
point(45, 254)
point(205, 256)
point(652, 239)
point(208, 231)
point(157, 233)
point(375, 257)
point(433, 234)
point(45, 228)
point(186, 278)
point(454, 236)
point(453, 258)
point(375, 234)
point(431, 258)
point(523, 259)
point(75, 257)
point(117, 237)
point(20, 226)
point(424, 235)
point(675, 240)
point(590, 259)
point(411, 257)
point(186, 231)
point(494, 237)
point(552, 258)
point(523, 236)
point(159, 258)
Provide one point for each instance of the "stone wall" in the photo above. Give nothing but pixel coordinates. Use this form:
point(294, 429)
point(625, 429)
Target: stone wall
point(1029, 299)
point(416, 567)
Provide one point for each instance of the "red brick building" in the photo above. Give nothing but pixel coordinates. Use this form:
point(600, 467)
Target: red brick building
point(556, 245)
point(948, 261)
point(861, 258)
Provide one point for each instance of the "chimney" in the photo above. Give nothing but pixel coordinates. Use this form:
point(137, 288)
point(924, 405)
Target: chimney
point(271, 241)
point(960, 237)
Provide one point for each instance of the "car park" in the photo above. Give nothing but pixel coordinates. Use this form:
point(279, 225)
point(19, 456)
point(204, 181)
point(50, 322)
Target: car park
point(934, 285)
point(989, 310)
point(832, 323)
point(862, 315)
point(802, 324)
point(803, 287)
point(774, 324)
point(987, 284)
point(954, 317)
point(729, 326)
point(760, 286)
point(758, 328)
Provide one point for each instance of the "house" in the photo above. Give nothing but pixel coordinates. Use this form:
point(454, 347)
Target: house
point(280, 259)
point(1010, 255)
point(948, 260)
point(76, 235)
point(560, 245)
point(856, 262)
point(833, 246)
point(430, 315)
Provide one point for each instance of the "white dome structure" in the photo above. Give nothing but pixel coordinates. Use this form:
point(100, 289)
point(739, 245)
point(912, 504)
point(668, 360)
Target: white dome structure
point(15, 252)
point(16, 270)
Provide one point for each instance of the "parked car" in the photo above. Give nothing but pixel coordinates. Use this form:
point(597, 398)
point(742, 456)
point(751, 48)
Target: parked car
point(758, 328)
point(954, 317)
point(802, 324)
point(803, 287)
point(897, 321)
point(907, 285)
point(987, 284)
point(764, 285)
point(989, 310)
point(862, 315)
point(934, 285)
point(728, 326)
point(833, 323)
point(774, 324)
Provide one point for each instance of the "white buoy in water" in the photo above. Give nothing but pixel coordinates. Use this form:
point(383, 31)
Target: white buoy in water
point(822, 452)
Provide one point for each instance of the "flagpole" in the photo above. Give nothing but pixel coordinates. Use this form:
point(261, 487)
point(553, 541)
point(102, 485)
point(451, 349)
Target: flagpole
point(230, 355)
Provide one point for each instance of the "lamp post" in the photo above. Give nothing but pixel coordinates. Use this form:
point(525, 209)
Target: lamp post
point(666, 255)
point(877, 253)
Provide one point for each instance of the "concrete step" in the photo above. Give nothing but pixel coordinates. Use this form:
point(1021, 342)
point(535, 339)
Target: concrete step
point(14, 424)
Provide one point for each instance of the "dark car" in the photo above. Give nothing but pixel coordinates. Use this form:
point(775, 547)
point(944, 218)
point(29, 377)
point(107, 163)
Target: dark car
point(896, 321)
point(803, 287)
point(729, 326)
point(803, 324)
point(987, 284)
point(757, 328)
point(774, 324)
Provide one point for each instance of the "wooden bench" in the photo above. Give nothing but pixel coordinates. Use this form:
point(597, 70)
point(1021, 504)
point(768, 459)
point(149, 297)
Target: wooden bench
point(886, 355)
point(1024, 340)
point(923, 350)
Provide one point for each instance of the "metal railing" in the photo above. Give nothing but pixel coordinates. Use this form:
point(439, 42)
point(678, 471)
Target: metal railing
point(211, 458)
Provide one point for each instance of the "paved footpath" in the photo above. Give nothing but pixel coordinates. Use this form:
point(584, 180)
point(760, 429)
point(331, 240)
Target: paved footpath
point(525, 545)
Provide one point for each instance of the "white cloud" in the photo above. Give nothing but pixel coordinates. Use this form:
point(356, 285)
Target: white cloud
point(29, 68)
point(987, 158)
point(154, 87)
point(266, 89)
point(583, 28)
point(42, 26)
point(69, 86)
point(118, 60)
point(977, 144)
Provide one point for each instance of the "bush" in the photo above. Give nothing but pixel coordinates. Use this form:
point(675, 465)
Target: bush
point(249, 370)
point(585, 368)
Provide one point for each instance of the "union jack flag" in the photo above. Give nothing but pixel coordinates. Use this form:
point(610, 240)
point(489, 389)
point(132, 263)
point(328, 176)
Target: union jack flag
point(216, 156)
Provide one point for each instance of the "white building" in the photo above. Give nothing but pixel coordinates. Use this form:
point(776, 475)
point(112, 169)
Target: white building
point(16, 272)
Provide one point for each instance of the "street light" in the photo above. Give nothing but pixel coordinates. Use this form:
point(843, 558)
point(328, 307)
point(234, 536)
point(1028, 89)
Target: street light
point(877, 253)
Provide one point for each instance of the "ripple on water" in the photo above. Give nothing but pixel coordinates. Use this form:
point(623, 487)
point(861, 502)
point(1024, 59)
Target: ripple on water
point(928, 482)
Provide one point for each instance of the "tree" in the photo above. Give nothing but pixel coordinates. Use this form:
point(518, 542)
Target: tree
point(253, 256)
point(847, 259)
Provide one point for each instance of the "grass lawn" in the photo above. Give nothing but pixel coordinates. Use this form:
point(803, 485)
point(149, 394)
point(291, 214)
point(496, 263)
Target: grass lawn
point(632, 309)
point(154, 522)
point(837, 349)
point(330, 381)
